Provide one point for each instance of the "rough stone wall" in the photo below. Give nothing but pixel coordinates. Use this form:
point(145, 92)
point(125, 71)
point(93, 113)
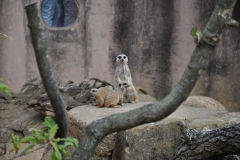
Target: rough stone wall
point(153, 33)
point(77, 52)
point(13, 52)
point(221, 79)
point(143, 30)
point(155, 36)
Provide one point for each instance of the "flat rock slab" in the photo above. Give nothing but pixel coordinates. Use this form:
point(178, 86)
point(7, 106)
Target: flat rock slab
point(80, 117)
point(156, 140)
point(89, 113)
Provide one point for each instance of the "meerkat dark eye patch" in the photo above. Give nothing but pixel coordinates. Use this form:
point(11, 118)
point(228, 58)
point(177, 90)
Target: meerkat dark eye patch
point(119, 85)
point(119, 57)
point(124, 83)
point(124, 57)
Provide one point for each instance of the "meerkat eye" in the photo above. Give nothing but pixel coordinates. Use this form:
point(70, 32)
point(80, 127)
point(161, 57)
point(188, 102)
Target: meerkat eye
point(119, 57)
point(124, 83)
point(124, 57)
point(119, 85)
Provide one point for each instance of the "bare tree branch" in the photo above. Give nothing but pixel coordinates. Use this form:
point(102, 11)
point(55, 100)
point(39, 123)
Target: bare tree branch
point(211, 35)
point(50, 86)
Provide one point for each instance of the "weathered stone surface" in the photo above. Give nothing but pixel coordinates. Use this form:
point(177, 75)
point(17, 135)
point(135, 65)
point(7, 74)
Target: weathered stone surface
point(150, 141)
point(159, 140)
point(81, 116)
point(146, 98)
point(204, 102)
point(89, 113)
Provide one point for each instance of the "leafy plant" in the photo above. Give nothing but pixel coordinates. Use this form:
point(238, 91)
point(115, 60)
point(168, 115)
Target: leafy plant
point(40, 137)
point(4, 36)
point(197, 33)
point(4, 88)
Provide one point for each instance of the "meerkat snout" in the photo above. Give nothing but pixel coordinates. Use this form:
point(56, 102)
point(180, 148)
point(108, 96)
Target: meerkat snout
point(122, 58)
point(123, 85)
point(94, 91)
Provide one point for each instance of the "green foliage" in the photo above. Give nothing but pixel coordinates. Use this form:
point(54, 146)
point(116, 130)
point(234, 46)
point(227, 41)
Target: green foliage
point(4, 36)
point(196, 33)
point(40, 137)
point(5, 88)
point(16, 143)
point(193, 30)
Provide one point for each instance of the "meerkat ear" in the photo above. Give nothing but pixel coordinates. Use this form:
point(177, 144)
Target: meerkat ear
point(119, 85)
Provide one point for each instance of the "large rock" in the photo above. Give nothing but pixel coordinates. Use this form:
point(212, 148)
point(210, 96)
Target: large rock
point(204, 102)
point(146, 98)
point(150, 141)
point(159, 140)
point(81, 116)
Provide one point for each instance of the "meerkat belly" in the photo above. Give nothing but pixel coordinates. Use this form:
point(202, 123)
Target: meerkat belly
point(130, 95)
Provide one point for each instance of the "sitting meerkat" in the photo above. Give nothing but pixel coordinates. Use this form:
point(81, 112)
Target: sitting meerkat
point(115, 97)
point(100, 95)
point(122, 73)
point(130, 94)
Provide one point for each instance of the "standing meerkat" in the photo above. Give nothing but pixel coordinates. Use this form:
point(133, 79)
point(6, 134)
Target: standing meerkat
point(123, 73)
point(115, 97)
point(100, 94)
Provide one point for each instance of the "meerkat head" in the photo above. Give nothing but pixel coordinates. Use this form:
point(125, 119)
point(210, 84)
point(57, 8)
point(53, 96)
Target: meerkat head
point(94, 91)
point(122, 59)
point(123, 85)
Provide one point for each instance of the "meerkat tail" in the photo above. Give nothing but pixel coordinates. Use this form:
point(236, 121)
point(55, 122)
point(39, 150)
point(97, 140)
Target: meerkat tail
point(138, 88)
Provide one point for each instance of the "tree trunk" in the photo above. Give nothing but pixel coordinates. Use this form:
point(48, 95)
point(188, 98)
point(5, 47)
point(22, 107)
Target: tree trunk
point(50, 86)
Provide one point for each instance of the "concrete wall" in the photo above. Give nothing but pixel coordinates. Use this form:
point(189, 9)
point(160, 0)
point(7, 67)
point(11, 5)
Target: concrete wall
point(153, 33)
point(12, 53)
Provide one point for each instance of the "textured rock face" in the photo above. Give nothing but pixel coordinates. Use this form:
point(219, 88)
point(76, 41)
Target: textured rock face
point(204, 102)
point(81, 116)
point(156, 140)
point(159, 140)
point(146, 98)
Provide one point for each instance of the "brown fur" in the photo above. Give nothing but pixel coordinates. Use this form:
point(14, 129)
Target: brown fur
point(116, 96)
point(130, 94)
point(101, 94)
